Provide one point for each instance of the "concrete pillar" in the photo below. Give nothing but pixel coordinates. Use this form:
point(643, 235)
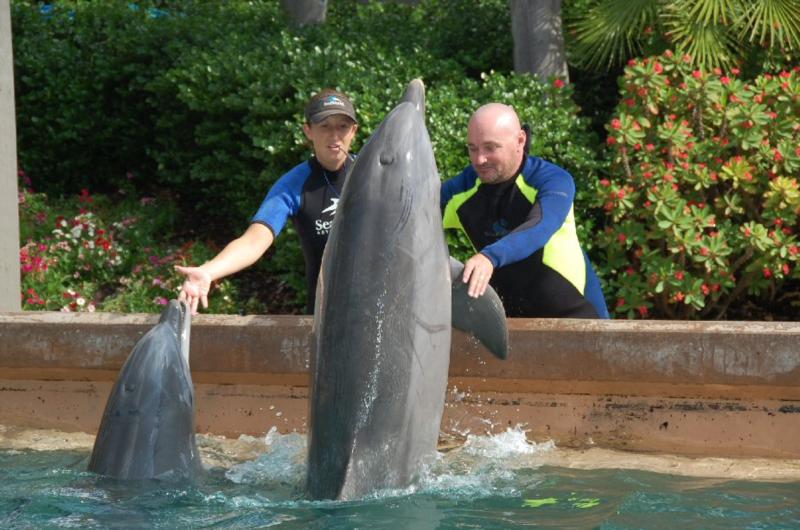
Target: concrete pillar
point(9, 215)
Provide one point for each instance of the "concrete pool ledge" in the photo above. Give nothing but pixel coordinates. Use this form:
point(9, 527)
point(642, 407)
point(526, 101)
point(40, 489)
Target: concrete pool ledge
point(724, 389)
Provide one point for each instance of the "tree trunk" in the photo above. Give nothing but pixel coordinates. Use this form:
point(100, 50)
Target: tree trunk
point(538, 40)
point(305, 12)
point(9, 213)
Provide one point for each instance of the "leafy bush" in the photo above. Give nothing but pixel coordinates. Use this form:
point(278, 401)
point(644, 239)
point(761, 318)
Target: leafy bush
point(87, 255)
point(703, 201)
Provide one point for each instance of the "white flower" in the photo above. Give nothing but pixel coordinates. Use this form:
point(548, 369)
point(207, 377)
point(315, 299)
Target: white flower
point(81, 301)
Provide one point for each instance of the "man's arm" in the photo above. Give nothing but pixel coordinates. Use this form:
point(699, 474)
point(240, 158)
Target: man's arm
point(555, 193)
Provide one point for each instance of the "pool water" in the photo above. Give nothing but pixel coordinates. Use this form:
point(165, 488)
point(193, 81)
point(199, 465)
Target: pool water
point(489, 482)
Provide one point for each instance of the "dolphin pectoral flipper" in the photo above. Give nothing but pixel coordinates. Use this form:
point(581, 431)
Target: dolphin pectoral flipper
point(483, 317)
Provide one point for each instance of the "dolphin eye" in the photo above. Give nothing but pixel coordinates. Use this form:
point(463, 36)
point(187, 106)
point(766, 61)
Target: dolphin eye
point(386, 158)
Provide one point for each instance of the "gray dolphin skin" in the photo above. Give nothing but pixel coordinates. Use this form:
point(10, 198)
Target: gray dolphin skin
point(382, 321)
point(147, 430)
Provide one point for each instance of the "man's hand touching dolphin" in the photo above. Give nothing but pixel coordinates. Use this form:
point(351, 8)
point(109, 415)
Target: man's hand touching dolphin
point(477, 272)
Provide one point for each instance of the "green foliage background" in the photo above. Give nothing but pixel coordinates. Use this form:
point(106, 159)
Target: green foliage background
point(199, 104)
point(204, 100)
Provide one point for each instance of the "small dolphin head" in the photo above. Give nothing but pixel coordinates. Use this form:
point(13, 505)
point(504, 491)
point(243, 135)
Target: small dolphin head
point(178, 317)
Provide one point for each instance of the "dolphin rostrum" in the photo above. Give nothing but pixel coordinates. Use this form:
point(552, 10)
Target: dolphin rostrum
point(147, 430)
point(382, 322)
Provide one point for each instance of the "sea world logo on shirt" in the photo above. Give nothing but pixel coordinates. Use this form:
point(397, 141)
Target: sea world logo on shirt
point(324, 226)
point(499, 228)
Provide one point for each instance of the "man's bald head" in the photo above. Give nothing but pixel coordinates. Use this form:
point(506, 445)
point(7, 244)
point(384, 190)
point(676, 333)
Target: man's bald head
point(495, 140)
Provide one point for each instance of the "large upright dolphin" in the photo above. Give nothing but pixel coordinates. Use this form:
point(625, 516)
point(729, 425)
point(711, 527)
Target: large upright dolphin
point(382, 322)
point(147, 430)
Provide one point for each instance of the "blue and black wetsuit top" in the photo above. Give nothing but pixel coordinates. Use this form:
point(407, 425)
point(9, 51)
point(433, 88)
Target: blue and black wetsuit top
point(309, 194)
point(526, 227)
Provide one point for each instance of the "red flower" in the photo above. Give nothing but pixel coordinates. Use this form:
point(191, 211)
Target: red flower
point(679, 275)
point(642, 311)
point(697, 74)
point(767, 273)
point(558, 83)
point(611, 140)
point(616, 124)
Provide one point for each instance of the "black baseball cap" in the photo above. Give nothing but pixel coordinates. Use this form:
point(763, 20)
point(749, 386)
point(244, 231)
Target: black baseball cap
point(329, 103)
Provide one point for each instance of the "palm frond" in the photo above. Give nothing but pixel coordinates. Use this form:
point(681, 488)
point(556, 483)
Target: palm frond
point(708, 43)
point(775, 21)
point(709, 11)
point(610, 32)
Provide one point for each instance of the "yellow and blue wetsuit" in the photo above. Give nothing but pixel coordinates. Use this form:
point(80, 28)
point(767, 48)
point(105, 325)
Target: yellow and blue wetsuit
point(526, 228)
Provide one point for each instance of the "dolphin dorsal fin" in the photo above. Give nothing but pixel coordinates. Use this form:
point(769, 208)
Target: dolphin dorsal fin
point(483, 317)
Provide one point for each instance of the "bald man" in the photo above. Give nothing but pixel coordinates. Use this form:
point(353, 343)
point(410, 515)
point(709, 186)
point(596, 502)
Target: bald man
point(516, 210)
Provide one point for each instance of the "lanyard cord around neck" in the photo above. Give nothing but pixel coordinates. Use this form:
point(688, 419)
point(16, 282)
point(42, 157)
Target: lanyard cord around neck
point(328, 182)
point(343, 169)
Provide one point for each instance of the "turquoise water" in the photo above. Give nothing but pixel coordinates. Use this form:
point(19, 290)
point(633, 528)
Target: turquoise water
point(491, 482)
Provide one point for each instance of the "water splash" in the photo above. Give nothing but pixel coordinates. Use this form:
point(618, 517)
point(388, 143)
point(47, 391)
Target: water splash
point(284, 461)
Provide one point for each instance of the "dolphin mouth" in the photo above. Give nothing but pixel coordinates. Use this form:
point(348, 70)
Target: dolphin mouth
point(179, 318)
point(185, 322)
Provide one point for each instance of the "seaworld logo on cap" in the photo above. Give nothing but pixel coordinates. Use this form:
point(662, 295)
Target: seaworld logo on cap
point(333, 100)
